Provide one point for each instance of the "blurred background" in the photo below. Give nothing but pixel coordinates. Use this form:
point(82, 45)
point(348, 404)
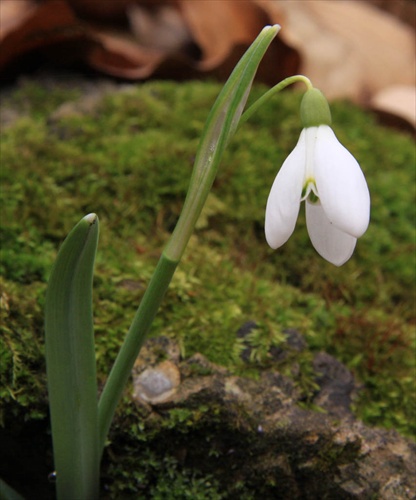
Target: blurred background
point(360, 50)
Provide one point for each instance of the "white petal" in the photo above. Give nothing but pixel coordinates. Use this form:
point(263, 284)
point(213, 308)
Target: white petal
point(341, 184)
point(330, 242)
point(284, 199)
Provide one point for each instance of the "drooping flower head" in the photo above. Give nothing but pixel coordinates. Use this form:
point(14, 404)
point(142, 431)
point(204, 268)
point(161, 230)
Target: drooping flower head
point(324, 174)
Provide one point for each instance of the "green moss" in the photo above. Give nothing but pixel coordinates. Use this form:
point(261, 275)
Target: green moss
point(22, 366)
point(129, 160)
point(40, 100)
point(158, 478)
point(159, 466)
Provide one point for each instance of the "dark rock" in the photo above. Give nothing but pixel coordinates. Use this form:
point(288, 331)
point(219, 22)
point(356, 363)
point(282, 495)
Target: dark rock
point(336, 384)
point(253, 432)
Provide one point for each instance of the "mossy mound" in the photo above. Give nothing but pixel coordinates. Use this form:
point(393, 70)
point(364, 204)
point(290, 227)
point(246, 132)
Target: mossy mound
point(128, 157)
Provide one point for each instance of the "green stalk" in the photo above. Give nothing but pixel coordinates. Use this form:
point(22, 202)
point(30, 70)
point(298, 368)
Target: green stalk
point(271, 92)
point(70, 363)
point(132, 344)
point(220, 126)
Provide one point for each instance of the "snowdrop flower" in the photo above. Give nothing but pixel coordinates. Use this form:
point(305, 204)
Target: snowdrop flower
point(324, 174)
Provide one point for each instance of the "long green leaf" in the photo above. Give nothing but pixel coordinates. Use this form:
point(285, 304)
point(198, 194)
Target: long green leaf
point(70, 362)
point(219, 128)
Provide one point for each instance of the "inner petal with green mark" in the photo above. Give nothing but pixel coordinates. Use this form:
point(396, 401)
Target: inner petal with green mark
point(309, 191)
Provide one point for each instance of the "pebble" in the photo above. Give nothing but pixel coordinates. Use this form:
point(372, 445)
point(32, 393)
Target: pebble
point(157, 384)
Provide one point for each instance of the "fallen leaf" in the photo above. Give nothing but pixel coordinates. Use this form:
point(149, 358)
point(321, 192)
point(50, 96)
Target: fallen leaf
point(162, 28)
point(217, 30)
point(13, 13)
point(119, 55)
point(186, 39)
point(398, 101)
point(111, 12)
point(48, 24)
point(348, 48)
point(136, 39)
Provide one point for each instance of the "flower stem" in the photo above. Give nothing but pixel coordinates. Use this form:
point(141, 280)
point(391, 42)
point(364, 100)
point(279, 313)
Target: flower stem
point(270, 93)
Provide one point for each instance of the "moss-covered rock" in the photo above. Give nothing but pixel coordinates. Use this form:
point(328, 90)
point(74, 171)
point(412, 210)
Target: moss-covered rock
point(250, 439)
point(126, 153)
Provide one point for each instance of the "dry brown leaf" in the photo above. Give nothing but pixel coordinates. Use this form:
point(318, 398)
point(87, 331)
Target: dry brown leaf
point(184, 39)
point(399, 101)
point(163, 28)
point(174, 38)
point(232, 28)
point(119, 55)
point(45, 25)
point(108, 11)
point(13, 13)
point(217, 29)
point(348, 48)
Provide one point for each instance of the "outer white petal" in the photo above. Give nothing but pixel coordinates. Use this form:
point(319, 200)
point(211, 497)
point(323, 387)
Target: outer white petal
point(341, 184)
point(330, 242)
point(284, 199)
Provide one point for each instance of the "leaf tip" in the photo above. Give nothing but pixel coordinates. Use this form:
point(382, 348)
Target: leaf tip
point(91, 218)
point(275, 27)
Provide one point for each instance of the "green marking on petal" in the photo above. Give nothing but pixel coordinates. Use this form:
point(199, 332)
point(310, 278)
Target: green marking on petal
point(309, 191)
point(304, 192)
point(313, 198)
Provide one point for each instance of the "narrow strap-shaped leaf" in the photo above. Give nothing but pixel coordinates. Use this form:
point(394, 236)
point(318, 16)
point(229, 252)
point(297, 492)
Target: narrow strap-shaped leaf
point(220, 126)
point(70, 362)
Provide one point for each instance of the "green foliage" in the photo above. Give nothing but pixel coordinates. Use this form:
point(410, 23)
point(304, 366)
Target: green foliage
point(129, 160)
